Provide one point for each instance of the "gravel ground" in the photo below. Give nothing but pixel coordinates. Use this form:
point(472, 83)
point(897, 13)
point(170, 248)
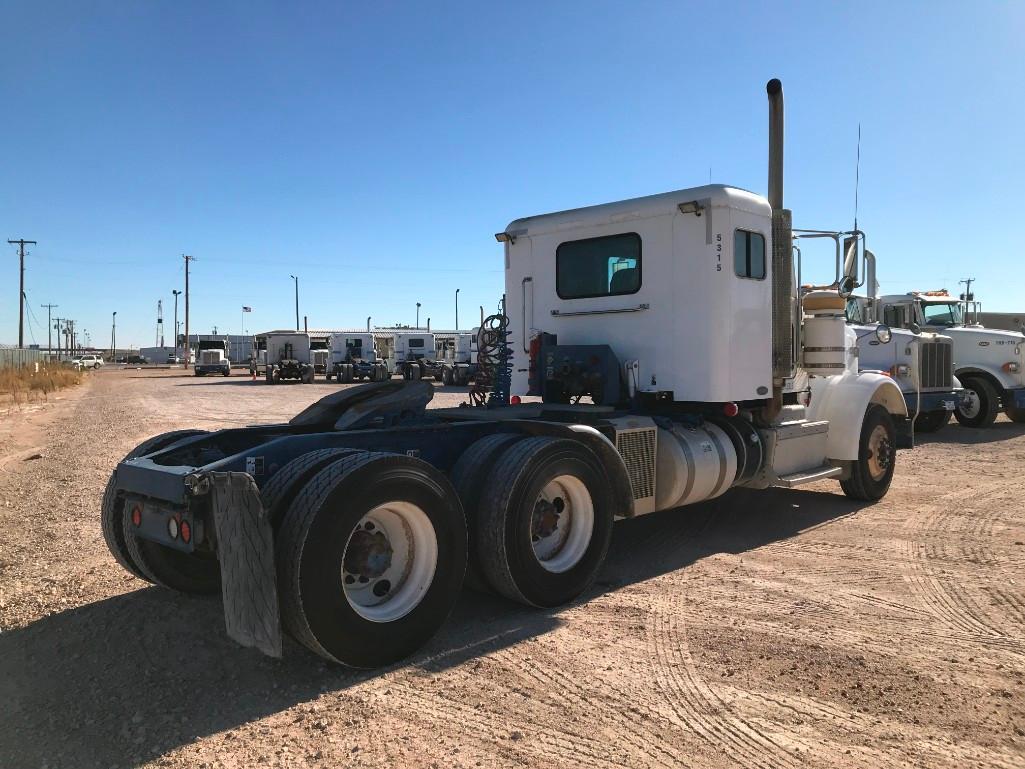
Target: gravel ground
point(769, 629)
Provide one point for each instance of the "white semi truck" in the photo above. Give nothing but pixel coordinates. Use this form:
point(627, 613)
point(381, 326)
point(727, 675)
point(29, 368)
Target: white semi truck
point(411, 353)
point(455, 357)
point(921, 363)
point(288, 357)
point(675, 360)
point(990, 363)
point(354, 358)
point(212, 356)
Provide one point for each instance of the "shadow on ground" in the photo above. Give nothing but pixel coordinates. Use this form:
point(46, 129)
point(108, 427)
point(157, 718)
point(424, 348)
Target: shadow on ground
point(955, 433)
point(129, 678)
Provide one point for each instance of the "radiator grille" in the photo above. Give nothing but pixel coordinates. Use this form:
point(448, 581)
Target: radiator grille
point(637, 447)
point(937, 368)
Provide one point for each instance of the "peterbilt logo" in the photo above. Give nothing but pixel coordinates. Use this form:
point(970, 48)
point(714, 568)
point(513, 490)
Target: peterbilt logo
point(983, 344)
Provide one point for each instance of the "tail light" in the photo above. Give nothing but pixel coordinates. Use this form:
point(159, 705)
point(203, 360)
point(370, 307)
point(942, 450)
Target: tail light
point(136, 515)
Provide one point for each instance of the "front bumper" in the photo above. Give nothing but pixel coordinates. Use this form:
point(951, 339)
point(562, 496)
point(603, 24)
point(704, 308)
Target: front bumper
point(947, 400)
point(212, 368)
point(1015, 398)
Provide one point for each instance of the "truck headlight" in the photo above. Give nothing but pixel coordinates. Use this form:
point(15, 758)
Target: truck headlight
point(883, 333)
point(1011, 367)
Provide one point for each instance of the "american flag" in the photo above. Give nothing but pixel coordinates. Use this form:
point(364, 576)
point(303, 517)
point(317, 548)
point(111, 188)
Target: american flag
point(247, 309)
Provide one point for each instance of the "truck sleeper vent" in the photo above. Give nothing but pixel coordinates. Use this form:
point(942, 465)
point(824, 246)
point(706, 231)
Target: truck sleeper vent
point(937, 365)
point(637, 447)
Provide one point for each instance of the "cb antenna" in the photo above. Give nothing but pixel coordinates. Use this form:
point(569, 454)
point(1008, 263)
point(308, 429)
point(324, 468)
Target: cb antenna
point(857, 178)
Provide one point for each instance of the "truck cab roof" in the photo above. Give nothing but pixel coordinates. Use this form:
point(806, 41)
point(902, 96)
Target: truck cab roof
point(713, 195)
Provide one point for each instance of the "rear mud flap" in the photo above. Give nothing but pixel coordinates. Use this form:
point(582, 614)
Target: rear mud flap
point(245, 544)
point(905, 434)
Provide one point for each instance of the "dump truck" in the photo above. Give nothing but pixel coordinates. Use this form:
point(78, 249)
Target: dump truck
point(663, 338)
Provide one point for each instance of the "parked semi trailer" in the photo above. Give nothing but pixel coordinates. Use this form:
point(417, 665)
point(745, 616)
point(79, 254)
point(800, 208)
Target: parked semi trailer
point(663, 336)
point(990, 363)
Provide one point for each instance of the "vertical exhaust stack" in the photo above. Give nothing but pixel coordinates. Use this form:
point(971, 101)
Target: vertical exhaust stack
point(784, 302)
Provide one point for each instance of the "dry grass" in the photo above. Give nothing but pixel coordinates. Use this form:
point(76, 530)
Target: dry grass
point(24, 383)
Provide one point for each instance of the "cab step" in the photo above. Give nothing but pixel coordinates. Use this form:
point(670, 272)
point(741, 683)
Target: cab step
point(809, 476)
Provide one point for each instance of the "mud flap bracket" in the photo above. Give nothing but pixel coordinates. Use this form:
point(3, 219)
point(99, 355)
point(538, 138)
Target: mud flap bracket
point(245, 545)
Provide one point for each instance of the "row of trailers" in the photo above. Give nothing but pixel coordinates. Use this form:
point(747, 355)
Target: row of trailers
point(449, 357)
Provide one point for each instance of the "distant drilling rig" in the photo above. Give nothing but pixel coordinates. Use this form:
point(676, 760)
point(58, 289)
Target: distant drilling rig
point(160, 323)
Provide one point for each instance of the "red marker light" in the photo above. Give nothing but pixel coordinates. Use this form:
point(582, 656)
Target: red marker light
point(515, 400)
point(185, 532)
point(137, 515)
point(730, 409)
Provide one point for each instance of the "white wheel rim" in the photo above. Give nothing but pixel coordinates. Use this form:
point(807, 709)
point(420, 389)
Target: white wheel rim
point(389, 562)
point(970, 407)
point(561, 523)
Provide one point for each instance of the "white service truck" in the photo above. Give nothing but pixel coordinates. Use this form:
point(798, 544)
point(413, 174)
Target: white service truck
point(412, 353)
point(455, 357)
point(990, 363)
point(670, 346)
point(212, 356)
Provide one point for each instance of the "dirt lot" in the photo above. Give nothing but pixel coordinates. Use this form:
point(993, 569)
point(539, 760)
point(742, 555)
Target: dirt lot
point(771, 629)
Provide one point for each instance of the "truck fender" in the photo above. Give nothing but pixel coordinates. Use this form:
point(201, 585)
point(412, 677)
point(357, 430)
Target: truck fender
point(622, 491)
point(843, 401)
point(994, 375)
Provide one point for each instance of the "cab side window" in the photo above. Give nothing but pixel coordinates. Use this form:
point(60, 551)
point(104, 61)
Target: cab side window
point(749, 254)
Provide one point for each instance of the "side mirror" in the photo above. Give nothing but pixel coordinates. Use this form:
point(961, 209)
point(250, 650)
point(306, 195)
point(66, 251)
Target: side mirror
point(850, 261)
point(883, 333)
point(847, 286)
point(914, 328)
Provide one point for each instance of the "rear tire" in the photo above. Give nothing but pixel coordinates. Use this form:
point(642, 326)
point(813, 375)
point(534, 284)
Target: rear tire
point(544, 522)
point(371, 556)
point(446, 376)
point(270, 375)
point(980, 408)
point(112, 509)
point(282, 487)
point(932, 421)
point(468, 476)
point(872, 472)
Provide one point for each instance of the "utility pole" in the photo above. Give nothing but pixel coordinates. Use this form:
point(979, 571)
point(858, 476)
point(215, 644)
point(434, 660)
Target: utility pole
point(113, 337)
point(21, 290)
point(187, 260)
point(293, 277)
point(57, 327)
point(176, 292)
point(49, 330)
point(457, 309)
point(418, 315)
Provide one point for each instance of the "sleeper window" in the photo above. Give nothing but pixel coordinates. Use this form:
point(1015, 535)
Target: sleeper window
point(749, 254)
point(609, 266)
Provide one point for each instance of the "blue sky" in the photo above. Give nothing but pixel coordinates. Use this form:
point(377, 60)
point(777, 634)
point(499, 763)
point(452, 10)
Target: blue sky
point(374, 149)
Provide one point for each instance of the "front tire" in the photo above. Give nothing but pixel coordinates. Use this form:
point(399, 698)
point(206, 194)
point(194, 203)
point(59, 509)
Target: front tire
point(544, 522)
point(371, 556)
point(979, 409)
point(872, 472)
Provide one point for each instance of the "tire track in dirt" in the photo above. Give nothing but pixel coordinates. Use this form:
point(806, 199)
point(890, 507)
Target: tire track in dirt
point(553, 682)
point(436, 709)
point(698, 706)
point(954, 601)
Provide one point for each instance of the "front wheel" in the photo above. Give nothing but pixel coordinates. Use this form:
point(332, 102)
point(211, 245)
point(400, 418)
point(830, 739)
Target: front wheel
point(872, 471)
point(544, 521)
point(980, 404)
point(371, 556)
